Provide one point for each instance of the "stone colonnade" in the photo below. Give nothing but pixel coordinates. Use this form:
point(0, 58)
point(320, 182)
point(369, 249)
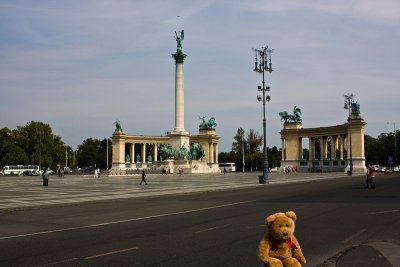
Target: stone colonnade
point(328, 147)
point(123, 145)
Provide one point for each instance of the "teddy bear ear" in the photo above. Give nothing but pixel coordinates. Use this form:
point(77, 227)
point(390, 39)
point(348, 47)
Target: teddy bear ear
point(291, 215)
point(270, 219)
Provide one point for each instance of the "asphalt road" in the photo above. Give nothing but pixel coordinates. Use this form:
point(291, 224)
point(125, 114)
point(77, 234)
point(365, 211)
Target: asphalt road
point(219, 228)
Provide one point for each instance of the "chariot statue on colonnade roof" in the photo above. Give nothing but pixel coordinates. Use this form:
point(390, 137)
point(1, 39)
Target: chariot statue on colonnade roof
point(295, 117)
point(210, 124)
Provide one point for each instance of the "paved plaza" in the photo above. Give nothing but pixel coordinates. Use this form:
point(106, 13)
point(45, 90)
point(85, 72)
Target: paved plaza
point(27, 191)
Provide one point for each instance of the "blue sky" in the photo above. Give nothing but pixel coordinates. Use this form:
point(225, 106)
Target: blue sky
point(81, 65)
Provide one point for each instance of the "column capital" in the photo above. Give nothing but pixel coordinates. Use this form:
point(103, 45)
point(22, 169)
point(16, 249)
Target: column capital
point(179, 57)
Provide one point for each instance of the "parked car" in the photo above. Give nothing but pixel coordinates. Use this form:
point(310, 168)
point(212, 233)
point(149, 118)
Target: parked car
point(34, 173)
point(67, 170)
point(396, 169)
point(381, 169)
point(388, 170)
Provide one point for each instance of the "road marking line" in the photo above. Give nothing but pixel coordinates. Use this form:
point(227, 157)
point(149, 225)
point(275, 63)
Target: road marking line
point(212, 228)
point(110, 253)
point(353, 236)
point(57, 262)
point(385, 211)
point(127, 220)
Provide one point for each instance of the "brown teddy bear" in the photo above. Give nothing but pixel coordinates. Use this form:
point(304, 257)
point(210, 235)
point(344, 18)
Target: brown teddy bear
point(279, 247)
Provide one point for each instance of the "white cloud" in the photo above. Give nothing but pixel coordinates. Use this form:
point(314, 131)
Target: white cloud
point(380, 11)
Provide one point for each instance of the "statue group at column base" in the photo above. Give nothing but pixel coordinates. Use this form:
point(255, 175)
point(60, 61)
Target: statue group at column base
point(170, 166)
point(188, 166)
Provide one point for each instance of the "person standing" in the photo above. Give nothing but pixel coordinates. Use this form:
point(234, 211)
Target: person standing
point(224, 170)
point(143, 178)
point(45, 176)
point(370, 177)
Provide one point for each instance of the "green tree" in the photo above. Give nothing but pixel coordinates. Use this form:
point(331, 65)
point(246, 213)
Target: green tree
point(239, 141)
point(89, 153)
point(254, 156)
point(33, 143)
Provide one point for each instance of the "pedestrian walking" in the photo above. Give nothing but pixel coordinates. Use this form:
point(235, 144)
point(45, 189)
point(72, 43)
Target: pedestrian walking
point(370, 177)
point(45, 176)
point(95, 174)
point(224, 170)
point(143, 178)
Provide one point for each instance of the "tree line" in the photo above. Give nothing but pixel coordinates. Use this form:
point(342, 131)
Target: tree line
point(35, 143)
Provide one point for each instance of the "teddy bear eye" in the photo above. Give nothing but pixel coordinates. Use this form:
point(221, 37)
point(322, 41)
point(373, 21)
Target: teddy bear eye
point(280, 226)
point(287, 225)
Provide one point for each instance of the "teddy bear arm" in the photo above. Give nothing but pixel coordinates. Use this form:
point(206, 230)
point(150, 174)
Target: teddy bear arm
point(264, 249)
point(297, 253)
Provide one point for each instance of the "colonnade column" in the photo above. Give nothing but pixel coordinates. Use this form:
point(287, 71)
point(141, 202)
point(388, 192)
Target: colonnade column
point(283, 149)
point(300, 156)
point(324, 146)
point(341, 146)
point(312, 148)
point(334, 146)
point(211, 153)
point(155, 152)
point(216, 153)
point(143, 153)
point(132, 152)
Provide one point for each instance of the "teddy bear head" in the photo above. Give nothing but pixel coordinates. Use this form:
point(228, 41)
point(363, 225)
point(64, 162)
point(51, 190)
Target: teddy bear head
point(281, 225)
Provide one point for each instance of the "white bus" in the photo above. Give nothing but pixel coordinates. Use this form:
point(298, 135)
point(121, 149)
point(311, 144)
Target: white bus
point(20, 169)
point(229, 167)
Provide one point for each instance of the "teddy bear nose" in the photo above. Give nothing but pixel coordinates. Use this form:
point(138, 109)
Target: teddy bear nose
point(285, 234)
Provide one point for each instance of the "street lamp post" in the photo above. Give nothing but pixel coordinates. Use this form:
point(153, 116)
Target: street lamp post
point(107, 153)
point(40, 150)
point(243, 151)
point(263, 63)
point(348, 104)
point(395, 143)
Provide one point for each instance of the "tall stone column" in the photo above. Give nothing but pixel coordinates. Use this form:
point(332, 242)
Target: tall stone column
point(179, 95)
point(179, 136)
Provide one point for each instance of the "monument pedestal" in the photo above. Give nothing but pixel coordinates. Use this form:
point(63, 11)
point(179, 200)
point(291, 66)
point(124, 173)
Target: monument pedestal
point(179, 139)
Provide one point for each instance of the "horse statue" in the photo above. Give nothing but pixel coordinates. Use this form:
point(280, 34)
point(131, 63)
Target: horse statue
point(295, 117)
point(182, 153)
point(355, 108)
point(210, 124)
point(284, 116)
point(296, 114)
point(166, 151)
point(197, 151)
